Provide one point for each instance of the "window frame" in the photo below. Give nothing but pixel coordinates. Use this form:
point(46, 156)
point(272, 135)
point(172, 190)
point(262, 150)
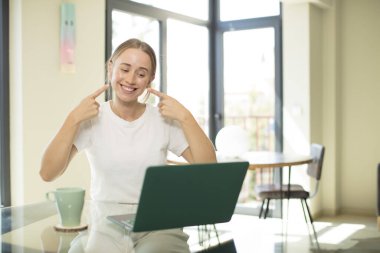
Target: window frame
point(219, 27)
point(4, 107)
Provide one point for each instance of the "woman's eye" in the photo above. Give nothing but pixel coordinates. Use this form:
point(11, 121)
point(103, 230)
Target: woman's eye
point(141, 75)
point(124, 70)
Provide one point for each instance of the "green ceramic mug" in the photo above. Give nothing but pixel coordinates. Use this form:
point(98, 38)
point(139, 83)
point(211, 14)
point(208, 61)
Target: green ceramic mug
point(70, 202)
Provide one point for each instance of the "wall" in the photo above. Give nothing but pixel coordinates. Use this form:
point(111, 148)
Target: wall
point(359, 105)
point(296, 78)
point(303, 86)
point(41, 95)
point(331, 69)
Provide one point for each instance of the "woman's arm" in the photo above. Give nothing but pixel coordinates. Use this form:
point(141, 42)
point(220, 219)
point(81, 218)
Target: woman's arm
point(61, 149)
point(201, 149)
point(59, 152)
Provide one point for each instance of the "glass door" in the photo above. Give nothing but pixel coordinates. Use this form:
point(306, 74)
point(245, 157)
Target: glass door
point(249, 90)
point(249, 96)
point(188, 71)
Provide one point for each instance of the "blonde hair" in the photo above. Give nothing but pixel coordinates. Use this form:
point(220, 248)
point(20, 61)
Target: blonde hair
point(136, 44)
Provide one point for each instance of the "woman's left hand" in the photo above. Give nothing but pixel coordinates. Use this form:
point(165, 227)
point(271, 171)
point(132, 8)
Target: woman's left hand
point(170, 107)
point(201, 149)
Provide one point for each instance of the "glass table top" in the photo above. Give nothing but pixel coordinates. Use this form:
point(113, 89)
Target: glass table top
point(30, 228)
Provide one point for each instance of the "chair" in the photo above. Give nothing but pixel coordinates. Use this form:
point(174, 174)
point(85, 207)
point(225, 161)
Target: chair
point(268, 192)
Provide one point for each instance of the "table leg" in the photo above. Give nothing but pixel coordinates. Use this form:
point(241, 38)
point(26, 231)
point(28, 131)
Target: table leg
point(281, 193)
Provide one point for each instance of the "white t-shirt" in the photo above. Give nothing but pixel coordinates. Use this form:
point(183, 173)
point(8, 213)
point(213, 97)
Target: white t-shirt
point(120, 151)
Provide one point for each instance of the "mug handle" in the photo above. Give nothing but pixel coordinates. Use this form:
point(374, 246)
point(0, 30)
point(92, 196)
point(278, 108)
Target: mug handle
point(50, 196)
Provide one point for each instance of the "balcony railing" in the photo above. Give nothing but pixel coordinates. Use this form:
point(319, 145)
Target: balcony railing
point(260, 129)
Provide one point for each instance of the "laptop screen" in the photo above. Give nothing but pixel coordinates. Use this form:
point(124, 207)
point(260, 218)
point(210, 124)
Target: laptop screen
point(175, 196)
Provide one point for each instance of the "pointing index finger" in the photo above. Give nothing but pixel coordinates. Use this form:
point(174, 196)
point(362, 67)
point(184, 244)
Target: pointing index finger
point(157, 93)
point(99, 91)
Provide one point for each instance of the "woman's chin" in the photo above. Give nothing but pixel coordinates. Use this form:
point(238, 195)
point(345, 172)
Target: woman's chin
point(128, 98)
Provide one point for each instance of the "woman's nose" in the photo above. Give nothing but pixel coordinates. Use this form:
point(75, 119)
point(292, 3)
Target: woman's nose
point(129, 78)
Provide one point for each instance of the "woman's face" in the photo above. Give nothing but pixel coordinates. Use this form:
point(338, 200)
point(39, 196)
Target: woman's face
point(131, 74)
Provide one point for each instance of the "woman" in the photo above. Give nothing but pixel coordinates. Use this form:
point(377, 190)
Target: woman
point(123, 136)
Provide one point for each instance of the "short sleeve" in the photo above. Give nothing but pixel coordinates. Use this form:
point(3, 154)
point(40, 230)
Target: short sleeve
point(177, 139)
point(83, 137)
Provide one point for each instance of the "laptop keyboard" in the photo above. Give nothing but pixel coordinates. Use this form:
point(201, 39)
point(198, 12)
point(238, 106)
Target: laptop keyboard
point(129, 223)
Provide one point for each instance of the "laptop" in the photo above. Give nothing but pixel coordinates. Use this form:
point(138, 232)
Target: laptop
point(175, 196)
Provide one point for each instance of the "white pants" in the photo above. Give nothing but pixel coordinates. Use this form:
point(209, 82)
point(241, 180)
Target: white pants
point(161, 241)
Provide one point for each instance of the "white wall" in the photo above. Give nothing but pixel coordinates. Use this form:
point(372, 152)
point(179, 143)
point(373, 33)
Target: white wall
point(296, 78)
point(41, 95)
point(360, 103)
point(331, 67)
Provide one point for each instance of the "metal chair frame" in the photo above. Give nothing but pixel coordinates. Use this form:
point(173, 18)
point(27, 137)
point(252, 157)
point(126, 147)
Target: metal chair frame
point(292, 191)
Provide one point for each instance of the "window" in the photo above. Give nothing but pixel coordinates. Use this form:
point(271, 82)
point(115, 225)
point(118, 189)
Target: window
point(192, 8)
point(249, 84)
point(187, 72)
point(220, 58)
point(243, 9)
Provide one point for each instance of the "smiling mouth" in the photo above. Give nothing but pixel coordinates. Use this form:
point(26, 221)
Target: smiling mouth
point(128, 89)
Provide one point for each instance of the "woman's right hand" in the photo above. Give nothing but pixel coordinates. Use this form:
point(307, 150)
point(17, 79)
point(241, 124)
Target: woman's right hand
point(88, 107)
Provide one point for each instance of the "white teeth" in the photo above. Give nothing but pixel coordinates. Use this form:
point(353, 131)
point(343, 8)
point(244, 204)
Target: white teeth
point(127, 88)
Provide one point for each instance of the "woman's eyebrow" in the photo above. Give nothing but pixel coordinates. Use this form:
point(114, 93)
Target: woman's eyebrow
point(143, 68)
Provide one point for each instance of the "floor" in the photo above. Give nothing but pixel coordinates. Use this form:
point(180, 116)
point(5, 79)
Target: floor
point(343, 234)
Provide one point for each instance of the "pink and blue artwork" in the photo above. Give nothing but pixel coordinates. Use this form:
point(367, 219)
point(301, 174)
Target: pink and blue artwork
point(67, 38)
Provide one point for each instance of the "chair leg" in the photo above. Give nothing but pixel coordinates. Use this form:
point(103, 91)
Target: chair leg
point(216, 233)
point(304, 211)
point(311, 221)
point(267, 209)
point(205, 233)
point(262, 208)
point(308, 210)
point(200, 235)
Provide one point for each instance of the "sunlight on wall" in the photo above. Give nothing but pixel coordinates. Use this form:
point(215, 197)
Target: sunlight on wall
point(296, 141)
point(293, 134)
